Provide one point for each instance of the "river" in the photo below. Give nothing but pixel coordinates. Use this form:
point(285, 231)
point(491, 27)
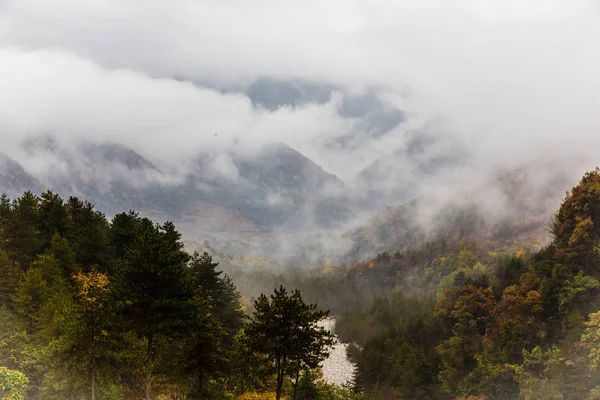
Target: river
point(337, 369)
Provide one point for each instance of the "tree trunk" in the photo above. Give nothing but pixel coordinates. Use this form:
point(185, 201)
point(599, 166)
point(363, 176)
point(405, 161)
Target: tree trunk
point(93, 372)
point(93, 378)
point(279, 378)
point(278, 389)
point(149, 369)
point(296, 383)
point(200, 384)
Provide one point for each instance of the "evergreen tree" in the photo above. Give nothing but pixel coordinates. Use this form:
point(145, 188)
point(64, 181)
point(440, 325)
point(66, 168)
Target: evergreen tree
point(125, 229)
point(21, 231)
point(5, 210)
point(9, 279)
point(218, 290)
point(285, 330)
point(89, 234)
point(205, 355)
point(156, 291)
point(53, 218)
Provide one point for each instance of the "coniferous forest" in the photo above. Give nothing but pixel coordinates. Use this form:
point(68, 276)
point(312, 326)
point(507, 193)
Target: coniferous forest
point(92, 308)
point(300, 200)
point(100, 309)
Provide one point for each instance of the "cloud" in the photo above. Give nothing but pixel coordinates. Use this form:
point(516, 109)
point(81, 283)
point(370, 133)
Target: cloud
point(75, 99)
point(342, 81)
point(505, 74)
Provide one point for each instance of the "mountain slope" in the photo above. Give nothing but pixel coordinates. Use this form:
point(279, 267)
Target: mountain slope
point(511, 209)
point(400, 176)
point(273, 188)
point(14, 180)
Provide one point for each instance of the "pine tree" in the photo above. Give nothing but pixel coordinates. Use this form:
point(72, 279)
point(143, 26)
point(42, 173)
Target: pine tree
point(53, 218)
point(9, 279)
point(156, 290)
point(285, 329)
point(89, 234)
point(22, 233)
point(218, 290)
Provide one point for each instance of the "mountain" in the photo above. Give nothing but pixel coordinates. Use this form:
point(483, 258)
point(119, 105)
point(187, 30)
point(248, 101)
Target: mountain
point(273, 200)
point(112, 176)
point(510, 210)
point(400, 175)
point(117, 154)
point(228, 194)
point(273, 186)
point(14, 179)
point(424, 153)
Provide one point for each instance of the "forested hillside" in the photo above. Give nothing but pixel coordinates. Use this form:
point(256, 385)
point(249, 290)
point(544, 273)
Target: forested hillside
point(203, 199)
point(457, 320)
point(469, 312)
point(98, 309)
point(464, 310)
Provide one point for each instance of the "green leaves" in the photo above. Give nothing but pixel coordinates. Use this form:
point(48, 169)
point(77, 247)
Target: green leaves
point(285, 330)
point(576, 291)
point(576, 226)
point(13, 384)
point(93, 307)
point(590, 340)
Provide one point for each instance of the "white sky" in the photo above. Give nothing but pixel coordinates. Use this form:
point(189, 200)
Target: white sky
point(514, 79)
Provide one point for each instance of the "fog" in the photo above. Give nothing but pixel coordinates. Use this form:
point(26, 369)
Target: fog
point(346, 83)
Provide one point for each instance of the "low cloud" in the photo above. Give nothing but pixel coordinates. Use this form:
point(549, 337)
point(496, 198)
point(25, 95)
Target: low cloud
point(499, 84)
point(511, 78)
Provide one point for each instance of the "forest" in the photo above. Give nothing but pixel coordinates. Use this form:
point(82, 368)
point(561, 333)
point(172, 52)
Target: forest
point(92, 308)
point(98, 309)
point(456, 313)
point(460, 321)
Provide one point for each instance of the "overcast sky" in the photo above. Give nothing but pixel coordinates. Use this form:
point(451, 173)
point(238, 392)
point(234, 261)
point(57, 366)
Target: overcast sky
point(512, 78)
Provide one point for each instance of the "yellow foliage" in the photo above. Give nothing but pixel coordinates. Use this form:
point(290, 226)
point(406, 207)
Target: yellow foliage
point(92, 286)
point(520, 254)
point(257, 396)
point(245, 303)
point(590, 340)
point(466, 259)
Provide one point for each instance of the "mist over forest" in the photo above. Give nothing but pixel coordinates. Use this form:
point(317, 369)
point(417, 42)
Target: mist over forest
point(218, 200)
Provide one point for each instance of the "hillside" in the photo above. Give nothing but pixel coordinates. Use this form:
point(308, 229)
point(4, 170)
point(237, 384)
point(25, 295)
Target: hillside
point(510, 210)
point(272, 189)
point(466, 313)
point(273, 201)
point(14, 179)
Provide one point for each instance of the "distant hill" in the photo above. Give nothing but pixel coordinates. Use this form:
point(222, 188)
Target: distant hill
point(14, 180)
point(276, 202)
point(511, 210)
point(398, 176)
point(274, 188)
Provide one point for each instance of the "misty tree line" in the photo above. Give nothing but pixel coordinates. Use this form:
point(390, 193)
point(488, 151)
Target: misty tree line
point(118, 308)
point(98, 309)
point(457, 315)
point(463, 319)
